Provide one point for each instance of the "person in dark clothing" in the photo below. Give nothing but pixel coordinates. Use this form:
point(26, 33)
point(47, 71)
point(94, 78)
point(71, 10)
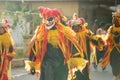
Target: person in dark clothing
point(112, 54)
point(51, 46)
point(83, 37)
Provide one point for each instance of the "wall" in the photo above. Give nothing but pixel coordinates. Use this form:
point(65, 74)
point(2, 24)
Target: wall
point(67, 8)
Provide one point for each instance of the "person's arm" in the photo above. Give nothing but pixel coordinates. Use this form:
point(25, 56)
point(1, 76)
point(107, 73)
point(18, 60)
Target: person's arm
point(32, 56)
point(11, 50)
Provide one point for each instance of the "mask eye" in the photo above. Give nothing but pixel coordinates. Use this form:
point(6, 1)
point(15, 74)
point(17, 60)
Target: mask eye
point(116, 16)
point(50, 18)
point(76, 25)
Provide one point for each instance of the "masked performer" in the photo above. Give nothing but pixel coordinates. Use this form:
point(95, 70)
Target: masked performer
point(7, 51)
point(102, 32)
point(112, 54)
point(83, 37)
point(50, 47)
point(86, 40)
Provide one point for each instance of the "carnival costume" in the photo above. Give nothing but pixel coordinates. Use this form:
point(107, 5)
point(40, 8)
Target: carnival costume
point(86, 39)
point(50, 48)
point(112, 54)
point(100, 51)
point(82, 36)
point(7, 51)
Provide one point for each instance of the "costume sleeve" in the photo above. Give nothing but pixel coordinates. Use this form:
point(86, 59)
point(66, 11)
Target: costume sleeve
point(32, 56)
point(11, 50)
point(74, 50)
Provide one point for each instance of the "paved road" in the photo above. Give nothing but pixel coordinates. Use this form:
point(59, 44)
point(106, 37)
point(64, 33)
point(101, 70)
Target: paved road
point(101, 75)
point(22, 74)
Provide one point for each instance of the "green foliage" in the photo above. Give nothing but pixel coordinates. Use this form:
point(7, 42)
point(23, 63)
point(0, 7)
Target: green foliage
point(19, 53)
point(36, 20)
point(9, 7)
point(17, 6)
point(25, 8)
point(15, 19)
point(34, 11)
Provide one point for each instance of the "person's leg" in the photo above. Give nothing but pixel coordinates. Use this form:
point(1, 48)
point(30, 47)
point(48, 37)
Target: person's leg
point(98, 58)
point(84, 75)
point(47, 72)
point(9, 72)
point(118, 76)
point(61, 72)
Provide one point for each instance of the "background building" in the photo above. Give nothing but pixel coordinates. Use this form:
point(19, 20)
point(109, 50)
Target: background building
point(24, 15)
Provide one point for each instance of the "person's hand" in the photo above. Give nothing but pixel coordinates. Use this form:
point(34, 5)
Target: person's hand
point(12, 55)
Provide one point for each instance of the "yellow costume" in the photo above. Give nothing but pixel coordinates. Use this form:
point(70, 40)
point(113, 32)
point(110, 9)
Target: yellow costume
point(50, 47)
point(112, 54)
point(7, 52)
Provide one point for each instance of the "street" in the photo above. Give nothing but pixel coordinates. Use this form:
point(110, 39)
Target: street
point(22, 74)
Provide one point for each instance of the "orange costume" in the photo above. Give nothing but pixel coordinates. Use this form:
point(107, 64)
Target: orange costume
point(112, 54)
point(7, 51)
point(50, 47)
point(85, 38)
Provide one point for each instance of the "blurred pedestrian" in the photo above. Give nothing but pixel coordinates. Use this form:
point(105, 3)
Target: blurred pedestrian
point(7, 50)
point(112, 54)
